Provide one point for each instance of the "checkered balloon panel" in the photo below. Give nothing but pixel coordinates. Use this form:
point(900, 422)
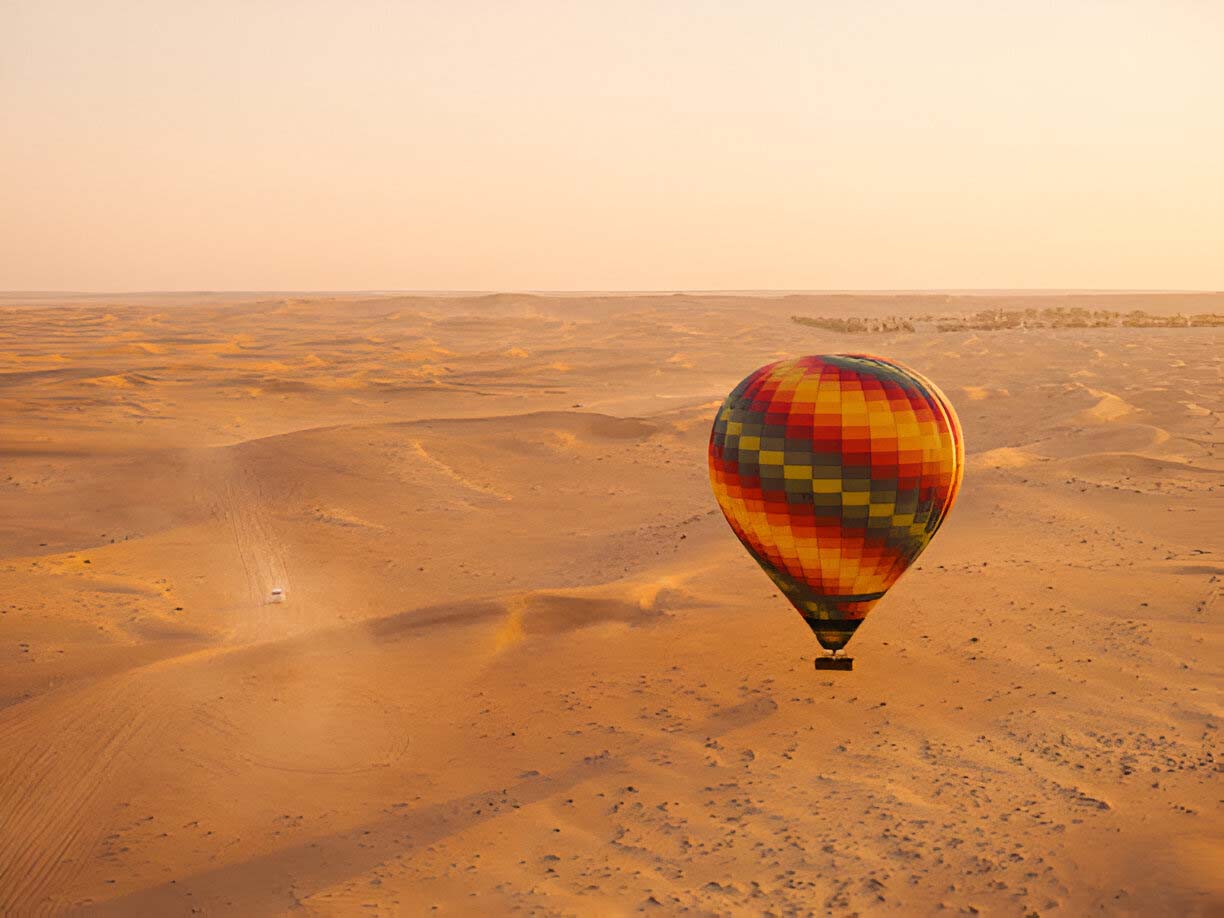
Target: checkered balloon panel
point(835, 472)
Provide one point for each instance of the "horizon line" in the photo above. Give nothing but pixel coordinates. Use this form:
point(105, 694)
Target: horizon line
point(678, 291)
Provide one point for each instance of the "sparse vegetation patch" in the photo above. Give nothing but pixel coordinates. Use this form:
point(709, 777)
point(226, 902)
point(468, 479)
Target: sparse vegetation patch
point(1001, 319)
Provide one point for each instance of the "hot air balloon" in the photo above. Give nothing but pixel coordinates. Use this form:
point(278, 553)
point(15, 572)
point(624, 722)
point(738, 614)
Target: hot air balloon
point(835, 472)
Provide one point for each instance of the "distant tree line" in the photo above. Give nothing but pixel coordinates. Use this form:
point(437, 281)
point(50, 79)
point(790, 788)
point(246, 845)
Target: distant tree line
point(856, 326)
point(1000, 319)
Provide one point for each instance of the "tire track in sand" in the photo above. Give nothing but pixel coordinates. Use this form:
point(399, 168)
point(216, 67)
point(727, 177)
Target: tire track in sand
point(235, 497)
point(57, 754)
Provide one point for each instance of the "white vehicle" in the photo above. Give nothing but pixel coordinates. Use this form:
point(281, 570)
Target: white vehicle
point(278, 595)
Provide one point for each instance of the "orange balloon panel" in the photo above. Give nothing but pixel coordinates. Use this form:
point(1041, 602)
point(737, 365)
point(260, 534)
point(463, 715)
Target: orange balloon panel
point(835, 472)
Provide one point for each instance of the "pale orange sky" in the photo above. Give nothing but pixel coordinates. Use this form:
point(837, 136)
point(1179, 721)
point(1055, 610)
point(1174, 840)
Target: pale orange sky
point(620, 145)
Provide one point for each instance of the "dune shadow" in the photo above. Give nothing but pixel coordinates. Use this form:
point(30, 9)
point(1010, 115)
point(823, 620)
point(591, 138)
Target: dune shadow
point(537, 613)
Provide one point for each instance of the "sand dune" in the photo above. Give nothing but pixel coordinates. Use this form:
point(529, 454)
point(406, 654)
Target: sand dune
point(1004, 457)
point(1109, 408)
point(523, 665)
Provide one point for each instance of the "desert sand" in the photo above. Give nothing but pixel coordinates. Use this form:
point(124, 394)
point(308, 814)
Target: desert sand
point(524, 666)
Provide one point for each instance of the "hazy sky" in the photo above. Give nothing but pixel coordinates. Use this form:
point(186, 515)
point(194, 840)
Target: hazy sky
point(613, 145)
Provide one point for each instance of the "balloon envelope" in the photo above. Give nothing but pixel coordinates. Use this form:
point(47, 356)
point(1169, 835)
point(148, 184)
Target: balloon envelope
point(835, 472)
